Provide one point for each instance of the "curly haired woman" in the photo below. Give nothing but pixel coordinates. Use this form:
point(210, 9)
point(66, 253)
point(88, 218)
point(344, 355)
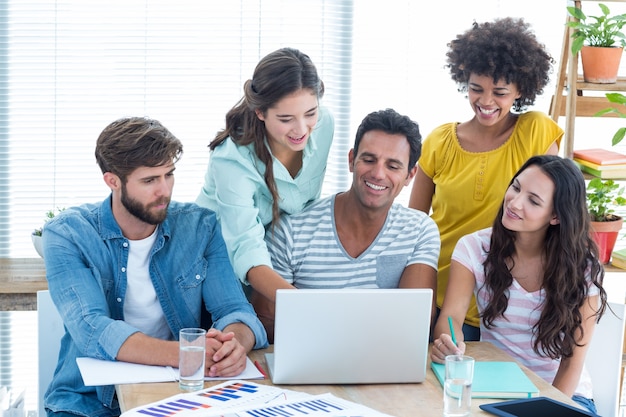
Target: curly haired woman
point(535, 304)
point(465, 167)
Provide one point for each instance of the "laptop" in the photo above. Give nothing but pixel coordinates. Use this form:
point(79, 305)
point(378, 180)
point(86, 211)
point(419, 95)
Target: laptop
point(350, 336)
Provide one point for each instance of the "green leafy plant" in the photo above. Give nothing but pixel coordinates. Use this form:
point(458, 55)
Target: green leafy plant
point(604, 30)
point(49, 215)
point(602, 198)
point(617, 98)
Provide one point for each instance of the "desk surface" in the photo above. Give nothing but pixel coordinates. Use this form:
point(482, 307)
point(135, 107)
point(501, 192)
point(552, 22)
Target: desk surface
point(20, 279)
point(400, 400)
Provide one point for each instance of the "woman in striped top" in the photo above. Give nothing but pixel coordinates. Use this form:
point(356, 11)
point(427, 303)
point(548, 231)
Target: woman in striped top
point(539, 291)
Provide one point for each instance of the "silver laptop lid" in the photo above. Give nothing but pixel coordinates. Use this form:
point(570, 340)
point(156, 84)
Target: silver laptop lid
point(345, 336)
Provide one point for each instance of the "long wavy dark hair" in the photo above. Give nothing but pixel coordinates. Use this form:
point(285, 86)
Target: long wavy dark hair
point(570, 256)
point(276, 76)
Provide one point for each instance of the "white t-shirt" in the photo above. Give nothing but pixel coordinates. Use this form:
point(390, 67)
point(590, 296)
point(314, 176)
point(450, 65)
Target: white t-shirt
point(141, 305)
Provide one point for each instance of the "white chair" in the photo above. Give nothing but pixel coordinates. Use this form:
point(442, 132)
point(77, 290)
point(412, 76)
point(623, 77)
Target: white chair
point(50, 330)
point(604, 360)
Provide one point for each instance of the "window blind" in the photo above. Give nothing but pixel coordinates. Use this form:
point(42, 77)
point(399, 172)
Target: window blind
point(71, 67)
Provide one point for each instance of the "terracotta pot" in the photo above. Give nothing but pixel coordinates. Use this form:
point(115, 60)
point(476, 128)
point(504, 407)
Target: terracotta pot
point(605, 235)
point(600, 64)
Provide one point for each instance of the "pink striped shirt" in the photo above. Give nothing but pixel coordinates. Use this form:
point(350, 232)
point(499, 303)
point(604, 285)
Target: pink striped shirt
point(513, 332)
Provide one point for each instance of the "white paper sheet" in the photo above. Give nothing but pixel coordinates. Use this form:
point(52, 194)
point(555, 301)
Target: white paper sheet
point(100, 372)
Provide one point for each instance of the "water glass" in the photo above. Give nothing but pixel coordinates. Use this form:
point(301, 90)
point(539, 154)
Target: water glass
point(457, 390)
point(191, 359)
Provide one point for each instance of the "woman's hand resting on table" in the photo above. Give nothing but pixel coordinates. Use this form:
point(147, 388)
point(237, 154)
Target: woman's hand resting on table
point(443, 346)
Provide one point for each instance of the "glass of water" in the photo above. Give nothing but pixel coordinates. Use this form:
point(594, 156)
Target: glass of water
point(457, 390)
point(191, 358)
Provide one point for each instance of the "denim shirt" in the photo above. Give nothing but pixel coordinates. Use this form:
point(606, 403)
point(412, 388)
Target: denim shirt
point(86, 255)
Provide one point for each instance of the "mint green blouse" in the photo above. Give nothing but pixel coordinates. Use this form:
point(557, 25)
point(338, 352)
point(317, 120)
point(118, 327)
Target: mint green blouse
point(235, 189)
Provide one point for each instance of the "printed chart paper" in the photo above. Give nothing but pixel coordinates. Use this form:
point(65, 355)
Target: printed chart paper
point(244, 398)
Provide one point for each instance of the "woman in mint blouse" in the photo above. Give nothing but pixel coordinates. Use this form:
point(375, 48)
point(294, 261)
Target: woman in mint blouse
point(270, 159)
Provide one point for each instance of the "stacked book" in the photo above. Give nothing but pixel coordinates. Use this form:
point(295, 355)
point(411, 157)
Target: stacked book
point(618, 258)
point(601, 163)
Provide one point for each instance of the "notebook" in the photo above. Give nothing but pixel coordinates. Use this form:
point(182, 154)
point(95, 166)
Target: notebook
point(605, 172)
point(600, 156)
point(350, 336)
point(495, 380)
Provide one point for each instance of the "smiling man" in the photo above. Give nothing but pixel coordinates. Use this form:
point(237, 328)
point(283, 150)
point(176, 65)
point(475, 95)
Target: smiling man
point(128, 273)
point(360, 238)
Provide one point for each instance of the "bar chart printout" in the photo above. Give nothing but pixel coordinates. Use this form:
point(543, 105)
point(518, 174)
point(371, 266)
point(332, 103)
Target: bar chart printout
point(245, 398)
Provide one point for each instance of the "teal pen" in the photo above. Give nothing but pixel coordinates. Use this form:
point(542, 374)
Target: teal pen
point(452, 330)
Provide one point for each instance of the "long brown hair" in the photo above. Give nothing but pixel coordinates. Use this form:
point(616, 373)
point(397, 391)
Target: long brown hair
point(570, 256)
point(277, 75)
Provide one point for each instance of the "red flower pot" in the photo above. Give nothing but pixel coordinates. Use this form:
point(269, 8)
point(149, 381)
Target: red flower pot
point(605, 235)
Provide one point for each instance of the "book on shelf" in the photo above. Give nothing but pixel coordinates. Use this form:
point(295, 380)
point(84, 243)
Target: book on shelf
point(599, 167)
point(600, 156)
point(618, 258)
point(606, 172)
point(494, 379)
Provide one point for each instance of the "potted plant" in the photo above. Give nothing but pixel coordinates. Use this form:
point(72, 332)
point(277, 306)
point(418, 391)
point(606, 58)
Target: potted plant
point(600, 41)
point(603, 196)
point(36, 235)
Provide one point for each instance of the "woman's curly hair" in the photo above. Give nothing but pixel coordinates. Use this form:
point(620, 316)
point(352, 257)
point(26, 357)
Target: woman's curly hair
point(505, 49)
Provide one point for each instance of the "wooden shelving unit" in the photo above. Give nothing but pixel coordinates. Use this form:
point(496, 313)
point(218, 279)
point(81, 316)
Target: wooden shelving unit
point(569, 99)
point(570, 102)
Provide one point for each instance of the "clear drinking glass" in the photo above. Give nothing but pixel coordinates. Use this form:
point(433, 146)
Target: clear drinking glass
point(192, 356)
point(457, 390)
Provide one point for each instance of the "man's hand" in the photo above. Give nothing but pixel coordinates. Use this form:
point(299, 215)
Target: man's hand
point(225, 356)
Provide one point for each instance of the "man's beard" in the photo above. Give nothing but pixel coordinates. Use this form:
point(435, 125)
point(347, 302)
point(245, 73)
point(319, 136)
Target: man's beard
point(142, 212)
